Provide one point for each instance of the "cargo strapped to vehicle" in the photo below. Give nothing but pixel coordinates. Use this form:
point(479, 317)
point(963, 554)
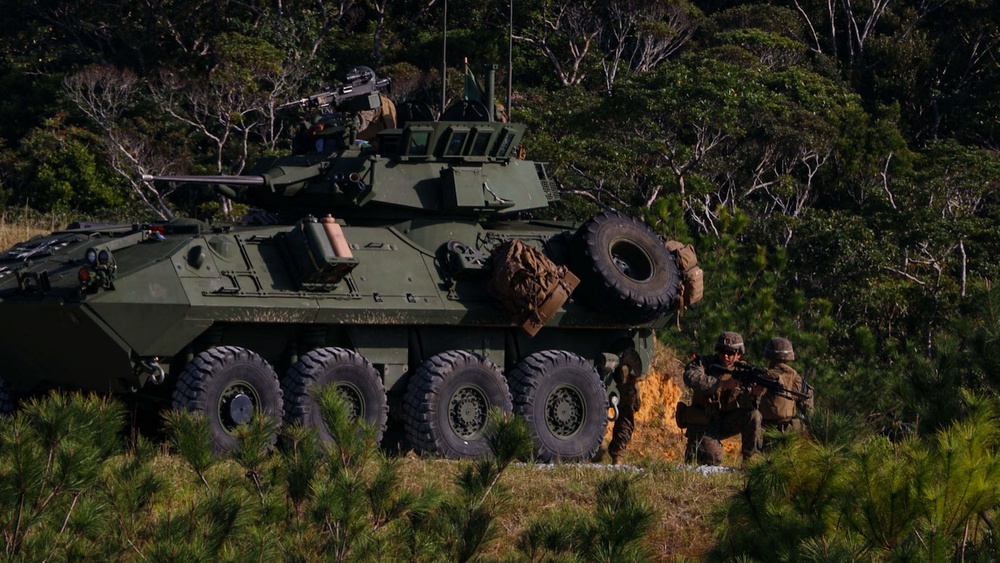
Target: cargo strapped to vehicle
point(528, 285)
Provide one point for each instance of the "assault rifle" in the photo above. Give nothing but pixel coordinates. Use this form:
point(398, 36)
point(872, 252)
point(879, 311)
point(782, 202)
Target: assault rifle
point(361, 90)
point(748, 375)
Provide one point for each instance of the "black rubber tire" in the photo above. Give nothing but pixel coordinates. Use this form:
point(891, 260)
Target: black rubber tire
point(561, 397)
point(228, 384)
point(357, 379)
point(446, 404)
point(624, 268)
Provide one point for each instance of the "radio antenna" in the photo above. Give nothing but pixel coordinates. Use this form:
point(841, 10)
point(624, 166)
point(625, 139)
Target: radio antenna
point(444, 54)
point(510, 62)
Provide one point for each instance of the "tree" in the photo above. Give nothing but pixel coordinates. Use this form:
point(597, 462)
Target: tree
point(106, 96)
point(644, 33)
point(868, 498)
point(234, 101)
point(61, 172)
point(564, 32)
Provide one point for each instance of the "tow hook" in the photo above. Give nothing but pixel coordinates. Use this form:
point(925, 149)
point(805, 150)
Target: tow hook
point(614, 406)
point(154, 369)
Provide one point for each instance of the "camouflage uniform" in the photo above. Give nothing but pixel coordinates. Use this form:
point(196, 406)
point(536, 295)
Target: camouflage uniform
point(718, 410)
point(627, 380)
point(779, 412)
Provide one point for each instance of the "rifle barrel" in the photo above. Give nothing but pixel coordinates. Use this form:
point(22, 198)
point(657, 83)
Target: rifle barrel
point(748, 375)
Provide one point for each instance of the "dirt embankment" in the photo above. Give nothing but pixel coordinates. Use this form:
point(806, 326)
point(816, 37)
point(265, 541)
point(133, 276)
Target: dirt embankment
point(656, 435)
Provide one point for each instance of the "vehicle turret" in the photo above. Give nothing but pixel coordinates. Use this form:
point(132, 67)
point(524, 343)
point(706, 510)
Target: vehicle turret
point(464, 164)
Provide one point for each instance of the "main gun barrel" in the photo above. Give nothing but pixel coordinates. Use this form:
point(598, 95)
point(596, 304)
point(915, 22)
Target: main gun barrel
point(221, 180)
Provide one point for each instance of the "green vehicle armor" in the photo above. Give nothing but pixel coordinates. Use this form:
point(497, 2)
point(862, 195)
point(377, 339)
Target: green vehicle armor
point(377, 269)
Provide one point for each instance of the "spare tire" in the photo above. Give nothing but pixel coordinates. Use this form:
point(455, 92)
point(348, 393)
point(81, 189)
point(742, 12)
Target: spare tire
point(624, 268)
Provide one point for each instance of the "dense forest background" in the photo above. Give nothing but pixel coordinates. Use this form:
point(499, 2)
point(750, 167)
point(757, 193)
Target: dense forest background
point(835, 163)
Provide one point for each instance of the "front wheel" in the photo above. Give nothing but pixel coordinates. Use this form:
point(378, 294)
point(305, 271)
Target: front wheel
point(564, 403)
point(447, 403)
point(229, 385)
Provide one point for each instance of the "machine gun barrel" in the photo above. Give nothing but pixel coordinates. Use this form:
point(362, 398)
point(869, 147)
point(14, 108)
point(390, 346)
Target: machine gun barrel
point(221, 180)
point(361, 83)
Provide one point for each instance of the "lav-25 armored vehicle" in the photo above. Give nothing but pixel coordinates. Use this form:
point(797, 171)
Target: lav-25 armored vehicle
point(400, 269)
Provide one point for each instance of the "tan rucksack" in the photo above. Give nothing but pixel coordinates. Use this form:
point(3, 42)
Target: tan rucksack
point(692, 277)
point(528, 285)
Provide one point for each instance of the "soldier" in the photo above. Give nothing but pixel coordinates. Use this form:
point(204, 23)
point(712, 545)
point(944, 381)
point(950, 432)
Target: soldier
point(627, 378)
point(720, 407)
point(778, 411)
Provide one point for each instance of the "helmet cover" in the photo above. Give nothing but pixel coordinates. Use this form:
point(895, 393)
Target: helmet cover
point(730, 342)
point(779, 349)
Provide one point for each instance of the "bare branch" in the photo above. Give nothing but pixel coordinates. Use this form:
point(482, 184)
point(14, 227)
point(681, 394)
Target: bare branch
point(103, 94)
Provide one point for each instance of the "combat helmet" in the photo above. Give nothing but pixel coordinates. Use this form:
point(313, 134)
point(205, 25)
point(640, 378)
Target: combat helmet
point(779, 349)
point(730, 341)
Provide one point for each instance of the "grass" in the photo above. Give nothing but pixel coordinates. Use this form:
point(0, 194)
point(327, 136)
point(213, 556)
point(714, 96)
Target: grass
point(17, 227)
point(683, 499)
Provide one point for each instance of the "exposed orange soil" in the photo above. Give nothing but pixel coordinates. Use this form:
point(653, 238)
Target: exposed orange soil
point(656, 435)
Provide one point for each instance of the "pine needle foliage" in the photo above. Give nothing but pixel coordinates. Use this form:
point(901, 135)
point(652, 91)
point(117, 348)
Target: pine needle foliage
point(302, 457)
point(871, 499)
point(355, 499)
point(621, 519)
point(614, 532)
point(552, 536)
point(254, 448)
point(73, 486)
point(468, 519)
point(191, 437)
point(51, 454)
point(128, 487)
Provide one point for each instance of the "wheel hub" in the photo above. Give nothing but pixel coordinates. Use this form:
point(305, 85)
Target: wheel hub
point(564, 412)
point(467, 412)
point(352, 399)
point(237, 405)
point(240, 409)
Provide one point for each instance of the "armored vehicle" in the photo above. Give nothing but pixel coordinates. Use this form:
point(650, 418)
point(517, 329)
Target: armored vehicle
point(398, 265)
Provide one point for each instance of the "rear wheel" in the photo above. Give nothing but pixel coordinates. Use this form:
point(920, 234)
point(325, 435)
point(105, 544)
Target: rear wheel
point(229, 385)
point(356, 379)
point(564, 402)
point(447, 402)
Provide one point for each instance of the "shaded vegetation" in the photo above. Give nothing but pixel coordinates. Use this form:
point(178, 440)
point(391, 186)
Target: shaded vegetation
point(73, 486)
point(841, 187)
point(867, 498)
